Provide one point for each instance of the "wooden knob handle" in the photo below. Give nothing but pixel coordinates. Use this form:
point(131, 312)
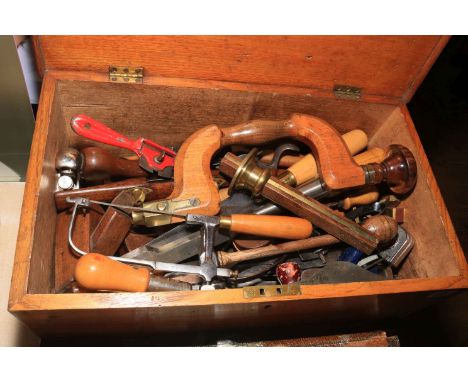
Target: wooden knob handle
point(283, 227)
point(370, 196)
point(384, 227)
point(97, 272)
point(399, 170)
point(306, 168)
point(100, 164)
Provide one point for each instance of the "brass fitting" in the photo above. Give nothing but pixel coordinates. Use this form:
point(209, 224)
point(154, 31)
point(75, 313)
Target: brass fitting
point(249, 176)
point(288, 178)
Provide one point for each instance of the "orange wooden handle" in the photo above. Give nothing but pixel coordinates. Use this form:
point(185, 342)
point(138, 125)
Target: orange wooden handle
point(306, 168)
point(283, 227)
point(371, 195)
point(97, 272)
point(375, 155)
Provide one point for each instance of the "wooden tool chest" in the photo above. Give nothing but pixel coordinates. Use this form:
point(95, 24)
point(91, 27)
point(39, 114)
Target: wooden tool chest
point(187, 82)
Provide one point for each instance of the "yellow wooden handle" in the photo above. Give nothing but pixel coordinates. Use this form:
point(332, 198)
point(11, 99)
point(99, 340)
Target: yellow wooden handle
point(369, 196)
point(223, 193)
point(97, 272)
point(306, 168)
point(375, 155)
point(283, 227)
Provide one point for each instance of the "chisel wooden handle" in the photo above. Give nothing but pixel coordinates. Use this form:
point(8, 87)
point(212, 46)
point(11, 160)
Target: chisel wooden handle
point(369, 195)
point(374, 155)
point(283, 227)
point(306, 168)
point(100, 164)
point(97, 272)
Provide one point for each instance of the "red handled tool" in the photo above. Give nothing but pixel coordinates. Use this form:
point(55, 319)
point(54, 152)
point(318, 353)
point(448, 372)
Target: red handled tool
point(153, 157)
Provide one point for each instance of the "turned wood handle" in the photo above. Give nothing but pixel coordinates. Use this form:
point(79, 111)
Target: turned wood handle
point(370, 196)
point(107, 192)
point(227, 259)
point(97, 272)
point(100, 164)
point(338, 170)
point(384, 227)
point(306, 168)
point(282, 227)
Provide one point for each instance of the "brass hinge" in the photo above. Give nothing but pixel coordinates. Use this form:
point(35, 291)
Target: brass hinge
point(347, 92)
point(126, 74)
point(272, 290)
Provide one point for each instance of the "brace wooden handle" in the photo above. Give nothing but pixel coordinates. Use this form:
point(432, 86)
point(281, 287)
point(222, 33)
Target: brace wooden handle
point(192, 177)
point(97, 272)
point(306, 168)
point(371, 195)
point(283, 227)
point(100, 164)
point(337, 168)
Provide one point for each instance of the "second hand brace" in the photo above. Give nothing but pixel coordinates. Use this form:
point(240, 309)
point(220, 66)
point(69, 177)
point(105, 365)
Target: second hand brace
point(195, 190)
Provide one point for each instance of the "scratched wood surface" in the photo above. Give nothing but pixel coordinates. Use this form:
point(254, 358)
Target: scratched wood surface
point(181, 108)
point(432, 266)
point(390, 66)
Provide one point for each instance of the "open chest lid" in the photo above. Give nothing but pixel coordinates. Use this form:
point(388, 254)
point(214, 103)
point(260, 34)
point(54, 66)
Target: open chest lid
point(388, 68)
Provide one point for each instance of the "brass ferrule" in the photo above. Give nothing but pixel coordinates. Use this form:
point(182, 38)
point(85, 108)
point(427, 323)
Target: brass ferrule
point(288, 178)
point(250, 176)
point(225, 222)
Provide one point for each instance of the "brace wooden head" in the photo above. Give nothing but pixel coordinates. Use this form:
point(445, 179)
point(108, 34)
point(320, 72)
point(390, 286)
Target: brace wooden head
point(192, 175)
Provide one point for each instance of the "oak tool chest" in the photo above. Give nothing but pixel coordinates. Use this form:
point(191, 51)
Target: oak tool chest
point(165, 88)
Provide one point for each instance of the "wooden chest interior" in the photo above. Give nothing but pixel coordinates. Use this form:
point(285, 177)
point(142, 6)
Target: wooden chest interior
point(170, 114)
point(168, 111)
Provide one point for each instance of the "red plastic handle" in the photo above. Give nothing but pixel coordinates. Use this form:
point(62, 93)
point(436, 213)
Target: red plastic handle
point(153, 157)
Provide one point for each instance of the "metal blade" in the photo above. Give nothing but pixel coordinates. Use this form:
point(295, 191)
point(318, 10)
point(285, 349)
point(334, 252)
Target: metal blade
point(176, 245)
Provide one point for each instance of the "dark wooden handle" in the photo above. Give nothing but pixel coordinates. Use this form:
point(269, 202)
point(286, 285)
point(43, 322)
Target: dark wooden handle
point(114, 225)
point(100, 164)
point(97, 272)
point(338, 170)
point(107, 192)
point(282, 227)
